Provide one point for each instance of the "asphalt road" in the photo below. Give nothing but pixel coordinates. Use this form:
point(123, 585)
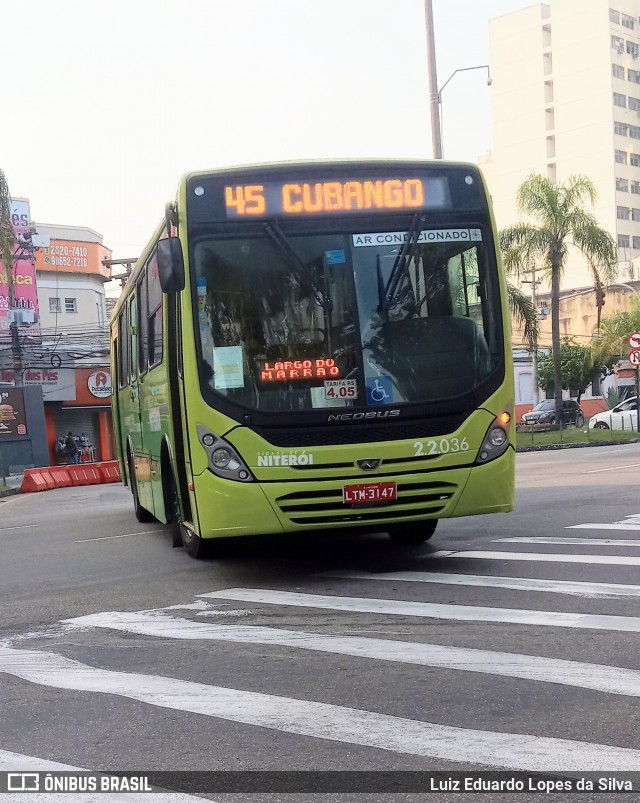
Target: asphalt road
point(506, 642)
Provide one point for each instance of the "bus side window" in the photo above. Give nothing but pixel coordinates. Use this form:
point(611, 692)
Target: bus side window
point(143, 345)
point(133, 340)
point(154, 312)
point(123, 339)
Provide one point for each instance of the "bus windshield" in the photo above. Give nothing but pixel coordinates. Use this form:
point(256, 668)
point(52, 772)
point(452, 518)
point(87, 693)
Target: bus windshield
point(351, 318)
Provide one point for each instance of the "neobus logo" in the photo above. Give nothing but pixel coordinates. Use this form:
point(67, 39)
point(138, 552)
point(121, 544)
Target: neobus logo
point(332, 419)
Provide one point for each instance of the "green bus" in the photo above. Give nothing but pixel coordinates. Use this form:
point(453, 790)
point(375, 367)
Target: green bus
point(317, 344)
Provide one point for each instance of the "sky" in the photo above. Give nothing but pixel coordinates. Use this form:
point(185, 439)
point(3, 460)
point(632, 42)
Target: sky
point(108, 103)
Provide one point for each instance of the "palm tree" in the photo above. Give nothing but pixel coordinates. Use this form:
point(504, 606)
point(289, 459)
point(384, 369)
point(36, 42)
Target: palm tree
point(612, 343)
point(7, 238)
point(561, 224)
point(524, 313)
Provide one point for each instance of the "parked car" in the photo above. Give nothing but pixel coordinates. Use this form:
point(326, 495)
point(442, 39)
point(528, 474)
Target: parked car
point(545, 413)
point(622, 416)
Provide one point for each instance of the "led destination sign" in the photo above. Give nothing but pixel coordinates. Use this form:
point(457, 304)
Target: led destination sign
point(299, 369)
point(325, 197)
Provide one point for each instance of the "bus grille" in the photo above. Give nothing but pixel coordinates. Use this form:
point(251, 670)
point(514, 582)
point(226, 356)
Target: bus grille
point(326, 506)
point(334, 434)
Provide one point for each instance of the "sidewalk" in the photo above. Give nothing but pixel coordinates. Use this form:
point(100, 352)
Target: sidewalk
point(13, 484)
point(14, 481)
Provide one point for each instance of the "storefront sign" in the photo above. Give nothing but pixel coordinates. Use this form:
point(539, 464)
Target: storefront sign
point(58, 384)
point(25, 294)
point(99, 384)
point(12, 417)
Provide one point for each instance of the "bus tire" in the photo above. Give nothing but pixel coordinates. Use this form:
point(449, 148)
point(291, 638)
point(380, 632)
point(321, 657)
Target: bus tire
point(194, 546)
point(142, 514)
point(412, 533)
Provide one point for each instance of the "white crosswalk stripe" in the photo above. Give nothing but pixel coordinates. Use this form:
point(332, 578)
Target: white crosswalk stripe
point(569, 587)
point(322, 720)
point(616, 526)
point(539, 557)
point(570, 541)
point(608, 679)
point(461, 613)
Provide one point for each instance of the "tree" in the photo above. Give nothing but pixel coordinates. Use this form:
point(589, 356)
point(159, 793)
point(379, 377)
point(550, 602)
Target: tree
point(7, 237)
point(524, 313)
point(561, 224)
point(612, 344)
point(577, 366)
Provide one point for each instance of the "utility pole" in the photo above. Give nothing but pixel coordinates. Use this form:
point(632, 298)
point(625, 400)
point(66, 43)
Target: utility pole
point(16, 347)
point(7, 255)
point(434, 95)
point(534, 356)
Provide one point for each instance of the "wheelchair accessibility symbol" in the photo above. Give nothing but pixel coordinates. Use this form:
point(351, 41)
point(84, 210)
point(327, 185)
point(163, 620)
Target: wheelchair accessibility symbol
point(379, 390)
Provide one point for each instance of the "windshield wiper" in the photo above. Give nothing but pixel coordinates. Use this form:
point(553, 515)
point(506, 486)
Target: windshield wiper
point(321, 295)
point(387, 293)
point(302, 273)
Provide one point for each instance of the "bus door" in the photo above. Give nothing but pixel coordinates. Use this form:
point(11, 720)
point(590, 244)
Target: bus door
point(134, 402)
point(153, 385)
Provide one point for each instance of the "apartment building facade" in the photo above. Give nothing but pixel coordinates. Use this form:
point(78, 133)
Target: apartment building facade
point(566, 100)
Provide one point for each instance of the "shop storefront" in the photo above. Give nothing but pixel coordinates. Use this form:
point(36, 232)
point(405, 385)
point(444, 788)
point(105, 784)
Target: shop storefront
point(87, 416)
point(76, 400)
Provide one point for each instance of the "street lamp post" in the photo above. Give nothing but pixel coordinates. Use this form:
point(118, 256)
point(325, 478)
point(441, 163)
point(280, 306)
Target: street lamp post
point(435, 94)
point(460, 69)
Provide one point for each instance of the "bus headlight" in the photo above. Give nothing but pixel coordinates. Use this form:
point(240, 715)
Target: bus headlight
point(497, 436)
point(496, 441)
point(222, 458)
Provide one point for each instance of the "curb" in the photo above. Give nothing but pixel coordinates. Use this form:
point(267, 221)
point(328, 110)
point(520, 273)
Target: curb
point(9, 492)
point(551, 447)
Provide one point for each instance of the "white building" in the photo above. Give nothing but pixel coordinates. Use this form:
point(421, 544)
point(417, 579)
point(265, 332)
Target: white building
point(71, 279)
point(566, 100)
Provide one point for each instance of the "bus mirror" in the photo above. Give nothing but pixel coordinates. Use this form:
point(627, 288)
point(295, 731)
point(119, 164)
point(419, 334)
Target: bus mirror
point(170, 265)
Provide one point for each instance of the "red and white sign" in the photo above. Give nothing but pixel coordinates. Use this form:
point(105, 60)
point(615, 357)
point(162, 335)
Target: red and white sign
point(634, 340)
point(25, 294)
point(634, 357)
point(99, 384)
point(340, 389)
point(369, 493)
point(58, 384)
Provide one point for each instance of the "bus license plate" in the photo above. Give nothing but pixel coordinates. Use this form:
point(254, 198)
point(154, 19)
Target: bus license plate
point(369, 493)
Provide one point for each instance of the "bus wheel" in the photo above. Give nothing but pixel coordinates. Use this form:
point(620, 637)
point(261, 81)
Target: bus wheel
point(195, 546)
point(412, 533)
point(142, 514)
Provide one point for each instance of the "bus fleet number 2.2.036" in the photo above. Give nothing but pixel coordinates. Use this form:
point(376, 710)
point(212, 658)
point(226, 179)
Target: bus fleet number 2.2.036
point(442, 446)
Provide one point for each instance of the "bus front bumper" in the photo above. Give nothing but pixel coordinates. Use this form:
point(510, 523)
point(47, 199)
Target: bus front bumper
point(227, 509)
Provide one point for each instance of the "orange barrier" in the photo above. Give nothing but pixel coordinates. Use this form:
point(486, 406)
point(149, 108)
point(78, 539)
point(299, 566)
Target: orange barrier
point(60, 475)
point(33, 481)
point(49, 477)
point(110, 471)
point(87, 474)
